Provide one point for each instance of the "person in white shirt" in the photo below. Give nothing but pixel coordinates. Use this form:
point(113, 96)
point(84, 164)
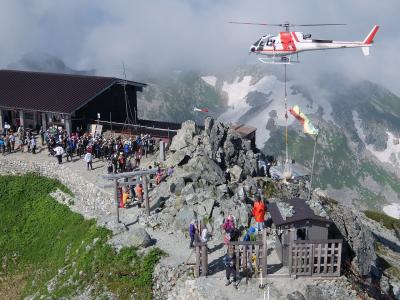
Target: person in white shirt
point(33, 145)
point(59, 152)
point(89, 159)
point(204, 234)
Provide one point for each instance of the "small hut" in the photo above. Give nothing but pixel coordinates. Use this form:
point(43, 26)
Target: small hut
point(303, 226)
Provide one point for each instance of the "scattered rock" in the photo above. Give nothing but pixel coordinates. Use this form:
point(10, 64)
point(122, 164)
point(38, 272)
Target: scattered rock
point(183, 218)
point(140, 238)
point(296, 296)
point(236, 173)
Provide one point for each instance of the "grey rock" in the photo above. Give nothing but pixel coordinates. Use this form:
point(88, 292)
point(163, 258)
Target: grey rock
point(176, 184)
point(357, 235)
point(208, 206)
point(208, 125)
point(222, 189)
point(296, 296)
point(179, 203)
point(178, 158)
point(183, 218)
point(184, 137)
point(207, 170)
point(188, 189)
point(236, 173)
point(140, 238)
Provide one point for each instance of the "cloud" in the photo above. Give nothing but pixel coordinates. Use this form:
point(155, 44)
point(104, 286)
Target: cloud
point(152, 36)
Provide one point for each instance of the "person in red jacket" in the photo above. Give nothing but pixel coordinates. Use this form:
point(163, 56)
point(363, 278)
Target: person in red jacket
point(258, 213)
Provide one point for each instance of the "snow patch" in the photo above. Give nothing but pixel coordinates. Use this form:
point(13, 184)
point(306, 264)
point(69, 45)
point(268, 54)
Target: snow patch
point(390, 155)
point(392, 210)
point(239, 89)
point(211, 80)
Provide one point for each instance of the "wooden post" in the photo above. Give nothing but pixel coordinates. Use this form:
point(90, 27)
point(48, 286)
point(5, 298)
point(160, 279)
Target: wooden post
point(264, 250)
point(204, 260)
point(117, 200)
point(197, 267)
point(146, 195)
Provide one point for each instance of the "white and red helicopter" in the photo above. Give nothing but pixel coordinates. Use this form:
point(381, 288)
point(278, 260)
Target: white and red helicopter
point(279, 48)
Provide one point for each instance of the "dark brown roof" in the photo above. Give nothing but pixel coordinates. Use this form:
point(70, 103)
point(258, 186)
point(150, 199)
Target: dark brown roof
point(51, 92)
point(302, 211)
point(243, 130)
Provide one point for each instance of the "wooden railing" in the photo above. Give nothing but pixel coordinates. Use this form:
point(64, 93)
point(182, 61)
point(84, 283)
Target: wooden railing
point(245, 251)
point(315, 258)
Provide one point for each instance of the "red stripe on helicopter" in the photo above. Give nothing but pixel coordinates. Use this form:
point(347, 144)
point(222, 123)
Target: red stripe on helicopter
point(280, 51)
point(287, 41)
point(295, 36)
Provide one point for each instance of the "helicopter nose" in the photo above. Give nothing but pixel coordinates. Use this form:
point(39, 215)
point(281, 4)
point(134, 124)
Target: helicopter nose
point(252, 49)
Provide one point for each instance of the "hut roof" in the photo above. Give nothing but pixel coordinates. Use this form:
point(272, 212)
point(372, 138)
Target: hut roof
point(52, 92)
point(302, 211)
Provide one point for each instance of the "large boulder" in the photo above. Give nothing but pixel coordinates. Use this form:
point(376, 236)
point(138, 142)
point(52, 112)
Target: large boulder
point(178, 158)
point(183, 218)
point(206, 169)
point(236, 173)
point(176, 184)
point(140, 238)
point(358, 240)
point(184, 137)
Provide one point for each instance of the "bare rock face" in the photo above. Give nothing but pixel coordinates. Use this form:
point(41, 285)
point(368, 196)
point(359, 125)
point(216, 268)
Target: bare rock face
point(184, 138)
point(358, 237)
point(218, 142)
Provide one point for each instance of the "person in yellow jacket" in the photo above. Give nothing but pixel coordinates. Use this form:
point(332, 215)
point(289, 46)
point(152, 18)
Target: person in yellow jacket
point(125, 196)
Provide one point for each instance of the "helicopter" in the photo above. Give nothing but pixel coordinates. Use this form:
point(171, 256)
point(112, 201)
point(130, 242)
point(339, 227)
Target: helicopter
point(281, 48)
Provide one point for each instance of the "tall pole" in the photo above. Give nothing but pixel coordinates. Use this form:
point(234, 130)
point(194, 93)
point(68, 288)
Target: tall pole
point(110, 122)
point(117, 200)
point(312, 167)
point(146, 195)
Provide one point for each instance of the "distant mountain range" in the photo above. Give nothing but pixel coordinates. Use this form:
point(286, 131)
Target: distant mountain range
point(358, 152)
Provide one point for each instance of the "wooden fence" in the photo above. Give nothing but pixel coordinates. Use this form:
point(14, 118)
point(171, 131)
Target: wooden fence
point(315, 258)
point(246, 251)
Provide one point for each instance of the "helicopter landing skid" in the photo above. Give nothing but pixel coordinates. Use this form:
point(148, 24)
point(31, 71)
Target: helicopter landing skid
point(282, 60)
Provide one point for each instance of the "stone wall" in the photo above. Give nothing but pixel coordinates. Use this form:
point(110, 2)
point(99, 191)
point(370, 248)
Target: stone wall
point(89, 200)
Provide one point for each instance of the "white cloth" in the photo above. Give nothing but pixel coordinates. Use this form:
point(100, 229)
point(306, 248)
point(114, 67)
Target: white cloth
point(59, 150)
point(88, 157)
point(204, 235)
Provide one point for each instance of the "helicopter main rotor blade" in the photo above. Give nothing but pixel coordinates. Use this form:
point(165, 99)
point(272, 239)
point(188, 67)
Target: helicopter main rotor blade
point(328, 24)
point(260, 24)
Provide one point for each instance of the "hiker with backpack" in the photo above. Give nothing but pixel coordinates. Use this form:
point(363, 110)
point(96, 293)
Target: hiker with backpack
point(230, 267)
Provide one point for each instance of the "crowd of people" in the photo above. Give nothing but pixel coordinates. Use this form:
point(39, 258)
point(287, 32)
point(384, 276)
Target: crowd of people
point(21, 140)
point(122, 153)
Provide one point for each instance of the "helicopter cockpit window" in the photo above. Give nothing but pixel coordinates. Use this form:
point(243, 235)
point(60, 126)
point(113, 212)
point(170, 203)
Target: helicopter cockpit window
point(256, 43)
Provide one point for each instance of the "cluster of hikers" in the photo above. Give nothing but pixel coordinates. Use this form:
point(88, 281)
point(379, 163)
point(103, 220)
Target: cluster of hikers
point(123, 154)
point(133, 193)
point(233, 233)
point(21, 140)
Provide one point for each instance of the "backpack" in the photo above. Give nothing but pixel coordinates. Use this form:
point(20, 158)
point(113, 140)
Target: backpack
point(228, 261)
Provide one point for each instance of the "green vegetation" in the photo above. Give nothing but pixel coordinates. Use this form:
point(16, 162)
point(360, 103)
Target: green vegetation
point(54, 252)
point(385, 220)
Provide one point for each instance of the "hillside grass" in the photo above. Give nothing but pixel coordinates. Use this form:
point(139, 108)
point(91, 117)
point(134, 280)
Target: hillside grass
point(387, 221)
point(44, 244)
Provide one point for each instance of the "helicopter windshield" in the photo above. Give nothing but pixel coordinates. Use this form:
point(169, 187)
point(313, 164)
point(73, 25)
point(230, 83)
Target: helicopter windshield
point(256, 43)
point(265, 40)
